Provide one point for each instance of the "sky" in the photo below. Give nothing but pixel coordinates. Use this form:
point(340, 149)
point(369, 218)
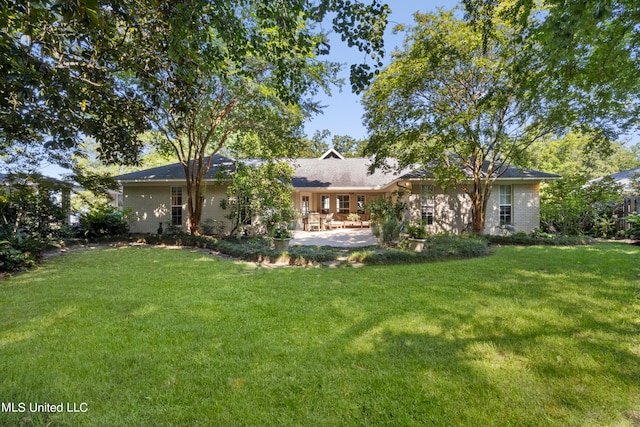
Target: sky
point(343, 112)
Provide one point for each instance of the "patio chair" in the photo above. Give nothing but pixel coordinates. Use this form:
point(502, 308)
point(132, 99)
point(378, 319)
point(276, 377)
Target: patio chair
point(314, 221)
point(330, 223)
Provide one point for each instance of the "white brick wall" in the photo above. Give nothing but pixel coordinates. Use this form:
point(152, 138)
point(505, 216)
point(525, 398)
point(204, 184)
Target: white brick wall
point(453, 209)
point(525, 208)
point(151, 204)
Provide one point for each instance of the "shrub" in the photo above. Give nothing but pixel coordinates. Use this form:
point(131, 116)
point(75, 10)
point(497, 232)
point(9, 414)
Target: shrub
point(438, 247)
point(103, 220)
point(15, 258)
point(571, 206)
point(634, 223)
point(540, 238)
point(417, 231)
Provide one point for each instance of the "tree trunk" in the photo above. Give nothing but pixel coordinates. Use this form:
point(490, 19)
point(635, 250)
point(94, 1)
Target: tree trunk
point(477, 216)
point(479, 200)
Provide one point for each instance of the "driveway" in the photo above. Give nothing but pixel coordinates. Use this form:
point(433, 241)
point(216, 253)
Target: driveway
point(342, 237)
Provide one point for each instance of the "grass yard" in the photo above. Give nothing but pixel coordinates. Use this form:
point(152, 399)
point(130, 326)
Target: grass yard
point(539, 336)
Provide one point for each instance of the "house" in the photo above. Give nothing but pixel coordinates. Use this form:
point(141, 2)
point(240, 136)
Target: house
point(630, 182)
point(62, 190)
point(333, 184)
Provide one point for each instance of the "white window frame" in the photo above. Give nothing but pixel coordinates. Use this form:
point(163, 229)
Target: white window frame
point(343, 203)
point(427, 203)
point(325, 204)
point(305, 204)
point(361, 202)
point(176, 206)
point(506, 205)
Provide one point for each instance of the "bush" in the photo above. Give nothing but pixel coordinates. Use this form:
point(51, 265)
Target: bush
point(540, 238)
point(634, 222)
point(388, 233)
point(14, 258)
point(571, 206)
point(438, 247)
point(102, 220)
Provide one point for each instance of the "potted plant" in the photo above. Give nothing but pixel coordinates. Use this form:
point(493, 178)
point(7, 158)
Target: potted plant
point(281, 238)
point(417, 235)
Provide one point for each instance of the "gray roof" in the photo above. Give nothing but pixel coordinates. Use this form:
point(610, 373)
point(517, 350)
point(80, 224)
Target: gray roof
point(338, 174)
point(505, 171)
point(625, 178)
point(175, 171)
point(321, 173)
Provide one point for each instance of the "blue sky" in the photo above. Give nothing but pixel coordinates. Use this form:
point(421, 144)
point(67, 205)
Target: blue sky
point(343, 112)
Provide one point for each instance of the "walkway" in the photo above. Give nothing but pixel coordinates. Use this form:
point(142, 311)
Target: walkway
point(341, 237)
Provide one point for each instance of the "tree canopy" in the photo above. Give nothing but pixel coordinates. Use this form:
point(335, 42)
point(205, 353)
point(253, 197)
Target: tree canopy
point(588, 56)
point(456, 105)
point(66, 66)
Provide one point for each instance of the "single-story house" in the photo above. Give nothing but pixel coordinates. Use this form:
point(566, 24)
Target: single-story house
point(629, 180)
point(63, 188)
point(333, 184)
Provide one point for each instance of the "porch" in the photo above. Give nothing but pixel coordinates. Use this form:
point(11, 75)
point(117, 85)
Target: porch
point(342, 238)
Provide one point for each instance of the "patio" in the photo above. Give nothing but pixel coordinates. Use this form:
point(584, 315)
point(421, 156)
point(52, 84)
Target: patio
point(343, 238)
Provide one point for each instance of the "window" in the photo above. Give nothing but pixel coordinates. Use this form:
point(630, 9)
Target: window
point(245, 210)
point(342, 202)
point(304, 206)
point(506, 214)
point(360, 202)
point(326, 204)
point(427, 203)
point(176, 206)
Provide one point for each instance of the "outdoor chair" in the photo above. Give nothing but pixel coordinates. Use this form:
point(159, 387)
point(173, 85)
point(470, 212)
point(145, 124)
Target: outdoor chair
point(330, 223)
point(314, 221)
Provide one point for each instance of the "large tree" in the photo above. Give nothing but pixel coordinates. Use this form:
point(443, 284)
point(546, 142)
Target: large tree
point(200, 71)
point(216, 75)
point(588, 53)
point(455, 105)
point(58, 83)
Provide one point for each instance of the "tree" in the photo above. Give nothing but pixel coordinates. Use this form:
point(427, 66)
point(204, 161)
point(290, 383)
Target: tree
point(111, 69)
point(587, 53)
point(262, 191)
point(570, 156)
point(343, 144)
point(316, 146)
point(455, 106)
point(347, 145)
point(60, 83)
point(233, 75)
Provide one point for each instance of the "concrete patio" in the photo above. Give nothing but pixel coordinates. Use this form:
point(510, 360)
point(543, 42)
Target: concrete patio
point(342, 237)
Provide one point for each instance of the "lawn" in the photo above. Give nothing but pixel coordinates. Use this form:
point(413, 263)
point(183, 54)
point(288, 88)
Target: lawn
point(142, 336)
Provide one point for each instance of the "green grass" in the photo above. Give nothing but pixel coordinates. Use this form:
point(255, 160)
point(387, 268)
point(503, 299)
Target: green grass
point(528, 336)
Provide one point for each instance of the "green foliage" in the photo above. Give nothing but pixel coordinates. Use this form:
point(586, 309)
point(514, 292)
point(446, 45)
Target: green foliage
point(13, 258)
point(572, 155)
point(387, 218)
point(262, 191)
point(388, 232)
point(571, 207)
point(281, 233)
point(382, 209)
point(439, 247)
point(211, 227)
point(60, 82)
point(103, 220)
point(30, 216)
point(539, 238)
point(454, 105)
point(29, 207)
point(588, 62)
point(417, 231)
point(634, 222)
point(346, 145)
